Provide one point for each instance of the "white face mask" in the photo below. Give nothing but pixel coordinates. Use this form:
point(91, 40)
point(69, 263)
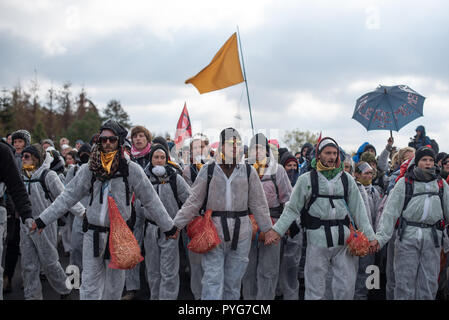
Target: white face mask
point(158, 171)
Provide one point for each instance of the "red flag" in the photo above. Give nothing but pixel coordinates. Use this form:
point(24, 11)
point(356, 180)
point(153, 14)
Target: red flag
point(183, 128)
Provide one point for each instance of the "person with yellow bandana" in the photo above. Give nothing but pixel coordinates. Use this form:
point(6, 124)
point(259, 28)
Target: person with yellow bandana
point(326, 222)
point(262, 274)
point(109, 172)
point(39, 251)
point(234, 189)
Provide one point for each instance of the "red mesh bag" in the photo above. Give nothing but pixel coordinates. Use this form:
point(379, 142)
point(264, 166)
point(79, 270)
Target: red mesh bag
point(358, 243)
point(123, 246)
point(202, 233)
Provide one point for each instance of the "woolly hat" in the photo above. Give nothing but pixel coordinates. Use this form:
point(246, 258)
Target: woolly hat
point(21, 134)
point(48, 141)
point(160, 140)
point(370, 146)
point(85, 148)
point(288, 157)
point(440, 156)
point(422, 152)
point(117, 128)
point(33, 151)
point(327, 142)
point(154, 148)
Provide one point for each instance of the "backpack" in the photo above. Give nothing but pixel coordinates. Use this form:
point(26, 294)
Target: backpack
point(315, 192)
point(123, 173)
point(434, 146)
point(41, 180)
point(409, 191)
point(401, 223)
point(174, 187)
point(311, 222)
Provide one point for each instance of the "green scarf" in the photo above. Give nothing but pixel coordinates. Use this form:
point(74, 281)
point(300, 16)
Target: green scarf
point(329, 174)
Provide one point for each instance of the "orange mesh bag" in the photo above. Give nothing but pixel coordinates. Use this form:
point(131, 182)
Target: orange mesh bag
point(203, 235)
point(358, 243)
point(254, 225)
point(123, 246)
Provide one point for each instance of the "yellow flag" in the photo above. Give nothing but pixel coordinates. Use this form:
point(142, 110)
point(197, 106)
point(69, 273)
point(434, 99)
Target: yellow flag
point(223, 71)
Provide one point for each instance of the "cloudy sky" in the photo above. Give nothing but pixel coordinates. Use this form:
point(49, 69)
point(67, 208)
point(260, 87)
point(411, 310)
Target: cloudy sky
point(306, 62)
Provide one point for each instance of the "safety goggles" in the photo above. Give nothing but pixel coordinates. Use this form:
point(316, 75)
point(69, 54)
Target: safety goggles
point(104, 139)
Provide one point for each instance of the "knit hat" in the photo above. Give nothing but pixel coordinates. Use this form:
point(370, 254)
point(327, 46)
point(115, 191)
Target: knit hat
point(85, 148)
point(48, 141)
point(154, 148)
point(440, 156)
point(21, 134)
point(327, 142)
point(288, 157)
point(160, 140)
point(422, 152)
point(117, 128)
point(34, 151)
point(370, 146)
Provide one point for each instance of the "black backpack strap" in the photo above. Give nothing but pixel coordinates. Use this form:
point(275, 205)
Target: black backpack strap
point(193, 172)
point(210, 173)
point(91, 190)
point(313, 196)
point(44, 186)
point(125, 180)
point(248, 171)
point(273, 178)
point(408, 192)
point(174, 188)
point(344, 180)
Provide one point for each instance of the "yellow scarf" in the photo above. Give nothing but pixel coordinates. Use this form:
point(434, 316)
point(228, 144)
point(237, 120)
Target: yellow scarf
point(364, 181)
point(260, 166)
point(322, 167)
point(28, 168)
point(106, 160)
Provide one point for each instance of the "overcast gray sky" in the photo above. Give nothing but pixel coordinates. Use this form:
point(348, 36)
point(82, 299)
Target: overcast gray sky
point(307, 62)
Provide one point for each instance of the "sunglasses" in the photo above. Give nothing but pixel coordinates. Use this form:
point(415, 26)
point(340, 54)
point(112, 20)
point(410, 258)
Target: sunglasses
point(104, 139)
point(445, 163)
point(26, 156)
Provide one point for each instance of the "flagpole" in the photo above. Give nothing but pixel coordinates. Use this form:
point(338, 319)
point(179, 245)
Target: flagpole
point(246, 82)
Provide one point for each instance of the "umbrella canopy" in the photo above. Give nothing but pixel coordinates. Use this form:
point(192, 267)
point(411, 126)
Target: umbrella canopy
point(388, 108)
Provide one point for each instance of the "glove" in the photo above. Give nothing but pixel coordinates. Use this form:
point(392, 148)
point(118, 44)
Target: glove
point(29, 224)
point(171, 232)
point(48, 157)
point(294, 229)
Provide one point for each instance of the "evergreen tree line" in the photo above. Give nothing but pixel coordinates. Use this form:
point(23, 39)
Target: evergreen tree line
point(60, 113)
